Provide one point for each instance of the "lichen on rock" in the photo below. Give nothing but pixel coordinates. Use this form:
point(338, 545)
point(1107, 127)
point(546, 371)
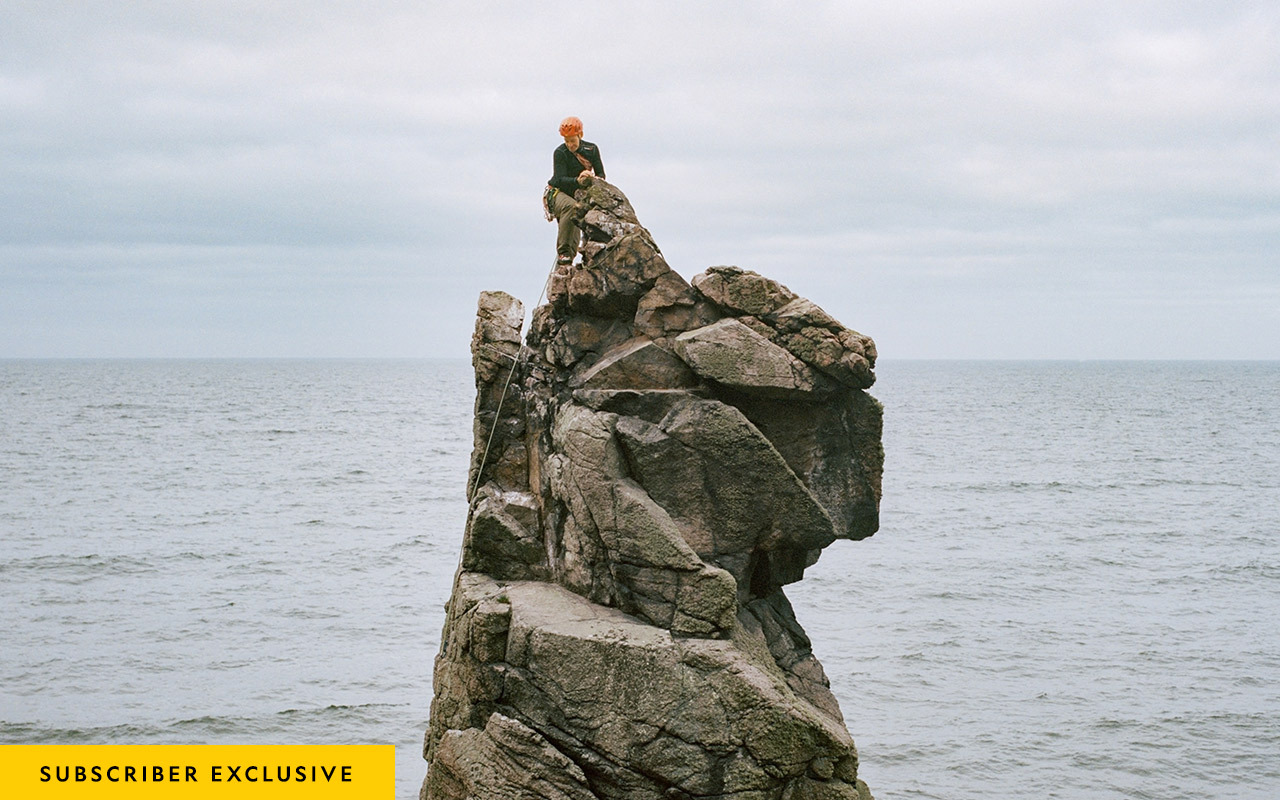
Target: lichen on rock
point(651, 467)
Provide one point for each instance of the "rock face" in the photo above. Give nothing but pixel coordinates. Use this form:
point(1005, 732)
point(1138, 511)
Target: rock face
point(651, 467)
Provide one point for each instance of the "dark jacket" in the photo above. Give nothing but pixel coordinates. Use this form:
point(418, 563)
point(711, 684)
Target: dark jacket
point(567, 167)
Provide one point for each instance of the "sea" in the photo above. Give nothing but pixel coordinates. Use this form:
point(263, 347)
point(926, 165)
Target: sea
point(1074, 592)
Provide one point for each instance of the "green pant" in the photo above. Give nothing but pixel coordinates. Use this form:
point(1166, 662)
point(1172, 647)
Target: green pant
point(565, 209)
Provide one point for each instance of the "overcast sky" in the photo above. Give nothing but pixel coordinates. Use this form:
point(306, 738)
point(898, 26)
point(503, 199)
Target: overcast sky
point(982, 179)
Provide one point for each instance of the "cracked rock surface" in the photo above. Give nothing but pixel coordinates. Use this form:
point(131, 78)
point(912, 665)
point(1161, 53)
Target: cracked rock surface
point(653, 464)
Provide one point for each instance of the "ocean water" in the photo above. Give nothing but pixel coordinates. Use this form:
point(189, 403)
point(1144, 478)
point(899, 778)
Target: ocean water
point(1075, 591)
point(228, 552)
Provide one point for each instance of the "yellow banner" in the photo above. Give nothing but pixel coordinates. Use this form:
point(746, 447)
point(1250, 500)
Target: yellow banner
point(198, 771)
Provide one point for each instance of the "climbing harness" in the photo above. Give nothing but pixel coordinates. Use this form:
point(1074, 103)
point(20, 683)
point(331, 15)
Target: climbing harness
point(548, 195)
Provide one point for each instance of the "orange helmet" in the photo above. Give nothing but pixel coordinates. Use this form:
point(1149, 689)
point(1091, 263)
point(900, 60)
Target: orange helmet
point(571, 126)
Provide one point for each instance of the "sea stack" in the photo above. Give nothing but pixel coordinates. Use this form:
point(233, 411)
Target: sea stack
point(652, 465)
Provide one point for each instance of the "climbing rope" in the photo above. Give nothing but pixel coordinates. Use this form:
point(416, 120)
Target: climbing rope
point(497, 414)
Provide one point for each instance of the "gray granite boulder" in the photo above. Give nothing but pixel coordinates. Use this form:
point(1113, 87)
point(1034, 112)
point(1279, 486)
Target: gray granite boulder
point(622, 262)
point(588, 697)
point(636, 363)
point(734, 497)
point(795, 323)
point(733, 355)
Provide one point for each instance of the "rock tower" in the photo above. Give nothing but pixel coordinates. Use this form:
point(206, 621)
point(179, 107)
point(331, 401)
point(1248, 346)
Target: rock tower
point(651, 467)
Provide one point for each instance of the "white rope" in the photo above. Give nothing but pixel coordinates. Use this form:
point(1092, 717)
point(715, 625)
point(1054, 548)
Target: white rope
point(515, 362)
point(496, 351)
point(497, 414)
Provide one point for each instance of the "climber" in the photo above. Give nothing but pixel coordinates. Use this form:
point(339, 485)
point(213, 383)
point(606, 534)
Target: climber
point(575, 164)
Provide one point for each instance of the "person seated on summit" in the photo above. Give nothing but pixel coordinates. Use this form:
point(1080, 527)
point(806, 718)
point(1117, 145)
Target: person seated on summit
point(576, 163)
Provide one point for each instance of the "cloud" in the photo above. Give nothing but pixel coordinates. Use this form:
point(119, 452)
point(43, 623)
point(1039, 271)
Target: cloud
point(1059, 147)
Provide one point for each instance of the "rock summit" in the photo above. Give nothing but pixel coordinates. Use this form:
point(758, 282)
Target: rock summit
point(652, 465)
